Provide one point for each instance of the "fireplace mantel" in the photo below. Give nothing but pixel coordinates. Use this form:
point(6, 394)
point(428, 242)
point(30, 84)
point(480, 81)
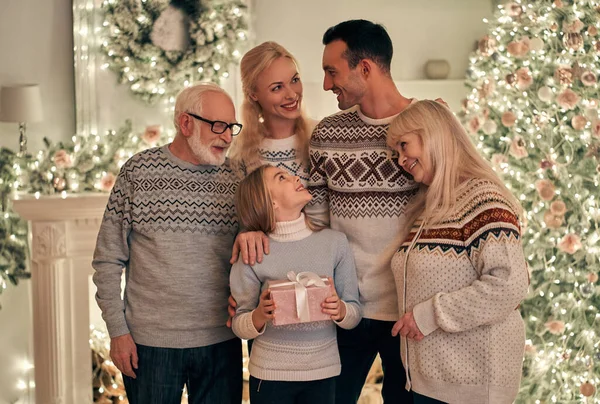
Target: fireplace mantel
point(63, 236)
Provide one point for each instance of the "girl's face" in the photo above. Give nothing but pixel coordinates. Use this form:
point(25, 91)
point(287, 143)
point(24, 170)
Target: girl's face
point(412, 158)
point(287, 193)
point(279, 90)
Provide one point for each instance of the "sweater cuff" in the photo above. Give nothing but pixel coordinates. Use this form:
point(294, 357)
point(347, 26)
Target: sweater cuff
point(424, 315)
point(251, 328)
point(117, 328)
point(348, 321)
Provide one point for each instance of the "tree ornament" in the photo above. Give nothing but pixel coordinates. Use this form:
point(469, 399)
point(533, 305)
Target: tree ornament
point(587, 389)
point(573, 40)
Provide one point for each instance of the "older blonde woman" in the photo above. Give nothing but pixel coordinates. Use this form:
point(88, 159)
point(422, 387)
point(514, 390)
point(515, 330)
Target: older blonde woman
point(460, 271)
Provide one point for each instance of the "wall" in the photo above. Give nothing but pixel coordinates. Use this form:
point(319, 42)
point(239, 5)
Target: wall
point(36, 46)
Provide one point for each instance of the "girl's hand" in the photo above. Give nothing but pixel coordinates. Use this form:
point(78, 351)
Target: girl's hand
point(264, 311)
point(333, 304)
point(407, 327)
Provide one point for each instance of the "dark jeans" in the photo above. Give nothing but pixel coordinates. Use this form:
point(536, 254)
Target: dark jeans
point(419, 399)
point(212, 374)
point(358, 349)
point(276, 392)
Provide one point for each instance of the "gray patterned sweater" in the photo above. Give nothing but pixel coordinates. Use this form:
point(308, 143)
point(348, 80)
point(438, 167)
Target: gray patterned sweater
point(171, 225)
point(296, 352)
point(359, 189)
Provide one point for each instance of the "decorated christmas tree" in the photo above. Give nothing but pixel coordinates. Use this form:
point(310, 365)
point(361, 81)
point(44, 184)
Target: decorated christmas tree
point(533, 112)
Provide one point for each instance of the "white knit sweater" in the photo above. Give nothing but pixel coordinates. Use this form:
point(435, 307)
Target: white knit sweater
point(463, 280)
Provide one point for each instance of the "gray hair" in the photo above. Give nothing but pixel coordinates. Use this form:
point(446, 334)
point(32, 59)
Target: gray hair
point(190, 100)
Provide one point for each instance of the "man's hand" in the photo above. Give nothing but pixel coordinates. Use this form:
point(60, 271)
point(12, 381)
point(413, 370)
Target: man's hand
point(123, 353)
point(231, 310)
point(407, 327)
point(252, 245)
point(333, 304)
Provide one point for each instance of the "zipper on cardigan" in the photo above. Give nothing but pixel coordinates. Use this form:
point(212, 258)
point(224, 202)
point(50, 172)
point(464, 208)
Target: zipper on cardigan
point(410, 247)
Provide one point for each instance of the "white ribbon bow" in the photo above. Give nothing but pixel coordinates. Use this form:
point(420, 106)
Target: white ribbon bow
point(301, 281)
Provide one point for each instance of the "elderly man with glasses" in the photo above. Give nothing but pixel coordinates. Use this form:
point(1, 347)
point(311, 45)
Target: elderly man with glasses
point(170, 223)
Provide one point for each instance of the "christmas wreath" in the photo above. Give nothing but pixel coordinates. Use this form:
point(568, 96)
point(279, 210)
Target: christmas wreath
point(157, 47)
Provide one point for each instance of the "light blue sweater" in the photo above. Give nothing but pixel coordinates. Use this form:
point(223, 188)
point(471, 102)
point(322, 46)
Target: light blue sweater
point(296, 352)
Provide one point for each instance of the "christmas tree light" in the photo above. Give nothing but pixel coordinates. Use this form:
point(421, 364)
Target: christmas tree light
point(533, 111)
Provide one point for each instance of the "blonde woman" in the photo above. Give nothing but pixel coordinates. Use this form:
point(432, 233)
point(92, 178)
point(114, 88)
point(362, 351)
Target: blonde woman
point(276, 129)
point(293, 363)
point(460, 271)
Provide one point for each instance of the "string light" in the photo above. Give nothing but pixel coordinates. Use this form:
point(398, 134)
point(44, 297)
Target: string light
point(560, 241)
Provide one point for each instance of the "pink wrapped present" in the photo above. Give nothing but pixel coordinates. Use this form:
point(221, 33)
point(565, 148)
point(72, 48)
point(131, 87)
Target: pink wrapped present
point(298, 299)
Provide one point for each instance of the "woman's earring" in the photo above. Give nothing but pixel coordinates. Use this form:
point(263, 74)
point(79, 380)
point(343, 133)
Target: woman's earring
point(261, 119)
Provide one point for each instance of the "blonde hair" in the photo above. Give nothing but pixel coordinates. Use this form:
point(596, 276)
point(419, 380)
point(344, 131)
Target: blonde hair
point(453, 158)
point(254, 203)
point(245, 147)
point(190, 100)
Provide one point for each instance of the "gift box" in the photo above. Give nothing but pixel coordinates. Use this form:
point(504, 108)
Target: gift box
point(298, 299)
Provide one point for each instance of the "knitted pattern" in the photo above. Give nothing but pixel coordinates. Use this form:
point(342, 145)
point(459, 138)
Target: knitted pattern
point(464, 281)
point(171, 225)
point(359, 188)
point(305, 351)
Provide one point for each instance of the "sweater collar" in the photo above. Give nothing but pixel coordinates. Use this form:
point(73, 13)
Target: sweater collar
point(293, 230)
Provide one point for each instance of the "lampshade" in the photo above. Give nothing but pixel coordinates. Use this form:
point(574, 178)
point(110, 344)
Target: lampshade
point(21, 103)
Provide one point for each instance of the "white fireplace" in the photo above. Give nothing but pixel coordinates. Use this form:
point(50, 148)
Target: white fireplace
point(63, 236)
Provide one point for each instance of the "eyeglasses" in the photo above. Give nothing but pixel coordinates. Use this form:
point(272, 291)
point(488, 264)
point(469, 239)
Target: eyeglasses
point(219, 127)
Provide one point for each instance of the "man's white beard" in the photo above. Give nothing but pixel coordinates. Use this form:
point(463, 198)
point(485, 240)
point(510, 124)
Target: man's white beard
point(202, 152)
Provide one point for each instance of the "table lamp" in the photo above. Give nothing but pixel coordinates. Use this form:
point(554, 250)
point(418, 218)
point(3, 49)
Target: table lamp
point(22, 104)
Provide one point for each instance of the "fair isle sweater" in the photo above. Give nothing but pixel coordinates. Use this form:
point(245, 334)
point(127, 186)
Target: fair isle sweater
point(171, 225)
point(359, 189)
point(463, 280)
point(283, 154)
point(305, 351)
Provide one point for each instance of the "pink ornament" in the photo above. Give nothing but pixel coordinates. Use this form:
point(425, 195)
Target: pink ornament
point(524, 78)
point(107, 182)
point(570, 244)
point(518, 49)
point(596, 128)
point(592, 277)
point(62, 159)
point(592, 31)
point(553, 221)
point(578, 122)
point(573, 27)
point(567, 99)
point(474, 124)
point(558, 208)
point(546, 189)
point(517, 148)
point(555, 327)
point(508, 119)
point(152, 134)
point(513, 9)
point(588, 78)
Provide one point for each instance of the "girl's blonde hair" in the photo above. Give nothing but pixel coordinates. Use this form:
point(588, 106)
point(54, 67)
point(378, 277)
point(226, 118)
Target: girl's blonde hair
point(245, 147)
point(254, 203)
point(452, 156)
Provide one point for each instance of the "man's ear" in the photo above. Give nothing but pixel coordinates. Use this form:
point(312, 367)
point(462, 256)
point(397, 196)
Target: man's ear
point(186, 125)
point(366, 67)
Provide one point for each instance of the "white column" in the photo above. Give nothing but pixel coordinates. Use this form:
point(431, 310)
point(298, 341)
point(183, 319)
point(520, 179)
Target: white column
point(63, 236)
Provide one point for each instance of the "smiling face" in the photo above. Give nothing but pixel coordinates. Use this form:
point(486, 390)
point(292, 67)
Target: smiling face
point(287, 194)
point(279, 90)
point(206, 146)
point(412, 157)
point(348, 84)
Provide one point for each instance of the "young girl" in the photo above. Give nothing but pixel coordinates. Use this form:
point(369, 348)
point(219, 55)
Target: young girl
point(276, 129)
point(460, 271)
point(293, 363)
